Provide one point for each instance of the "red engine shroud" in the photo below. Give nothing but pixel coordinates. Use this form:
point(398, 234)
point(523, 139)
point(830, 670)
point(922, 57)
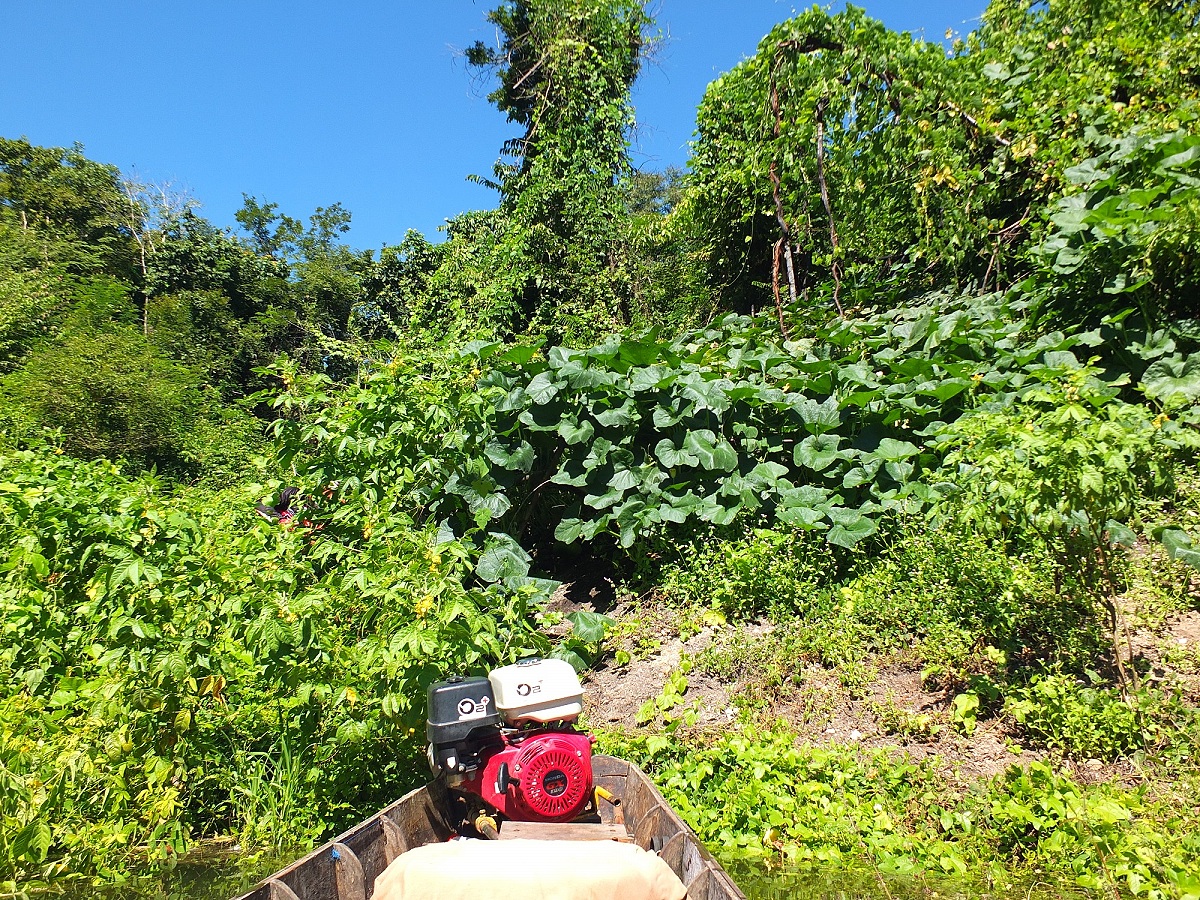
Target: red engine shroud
point(549, 776)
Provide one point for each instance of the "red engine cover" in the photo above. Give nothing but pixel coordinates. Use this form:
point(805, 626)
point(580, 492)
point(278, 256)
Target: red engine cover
point(549, 777)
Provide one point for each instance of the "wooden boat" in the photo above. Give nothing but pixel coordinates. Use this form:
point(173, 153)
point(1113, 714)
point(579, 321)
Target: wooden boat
point(346, 867)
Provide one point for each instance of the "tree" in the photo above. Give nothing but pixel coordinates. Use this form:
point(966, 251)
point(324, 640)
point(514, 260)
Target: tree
point(661, 260)
point(271, 233)
point(565, 68)
point(847, 163)
point(32, 304)
point(325, 275)
point(213, 301)
point(396, 288)
point(150, 211)
point(111, 394)
point(70, 207)
point(833, 158)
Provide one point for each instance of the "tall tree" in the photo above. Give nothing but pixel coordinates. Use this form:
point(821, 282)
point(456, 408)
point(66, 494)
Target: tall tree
point(65, 208)
point(565, 69)
point(823, 163)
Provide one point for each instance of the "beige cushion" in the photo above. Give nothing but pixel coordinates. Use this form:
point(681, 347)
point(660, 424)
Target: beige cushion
point(528, 870)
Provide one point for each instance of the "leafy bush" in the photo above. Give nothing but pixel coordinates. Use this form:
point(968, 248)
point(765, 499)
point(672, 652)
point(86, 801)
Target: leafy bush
point(110, 394)
point(1085, 721)
point(1106, 837)
point(1068, 462)
point(768, 572)
point(1129, 232)
point(756, 794)
point(752, 793)
point(948, 600)
point(31, 303)
point(951, 600)
point(640, 435)
point(155, 645)
point(1094, 721)
point(1067, 455)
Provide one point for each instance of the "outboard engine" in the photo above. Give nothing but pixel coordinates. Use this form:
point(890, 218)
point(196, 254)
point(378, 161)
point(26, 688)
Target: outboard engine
point(510, 740)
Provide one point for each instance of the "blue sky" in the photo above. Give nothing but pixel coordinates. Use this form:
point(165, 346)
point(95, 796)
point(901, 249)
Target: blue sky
point(365, 102)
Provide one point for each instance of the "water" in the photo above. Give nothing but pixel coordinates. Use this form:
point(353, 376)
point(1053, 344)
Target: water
point(225, 877)
point(194, 879)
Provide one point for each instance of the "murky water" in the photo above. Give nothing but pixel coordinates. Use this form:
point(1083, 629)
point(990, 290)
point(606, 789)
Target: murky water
point(205, 879)
point(225, 878)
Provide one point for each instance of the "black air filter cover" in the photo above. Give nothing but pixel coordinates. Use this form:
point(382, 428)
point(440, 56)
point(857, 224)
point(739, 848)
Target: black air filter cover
point(457, 706)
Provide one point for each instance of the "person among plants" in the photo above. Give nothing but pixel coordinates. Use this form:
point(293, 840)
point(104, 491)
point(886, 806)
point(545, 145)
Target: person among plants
point(285, 511)
point(281, 512)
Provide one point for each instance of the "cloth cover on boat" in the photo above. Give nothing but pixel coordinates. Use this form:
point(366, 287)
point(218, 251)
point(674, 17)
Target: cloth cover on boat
point(530, 870)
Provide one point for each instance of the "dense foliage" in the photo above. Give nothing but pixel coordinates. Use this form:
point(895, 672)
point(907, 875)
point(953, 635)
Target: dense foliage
point(904, 369)
point(877, 159)
point(758, 794)
point(175, 669)
point(565, 68)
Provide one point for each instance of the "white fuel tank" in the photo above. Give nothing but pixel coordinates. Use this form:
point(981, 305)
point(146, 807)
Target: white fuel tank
point(537, 690)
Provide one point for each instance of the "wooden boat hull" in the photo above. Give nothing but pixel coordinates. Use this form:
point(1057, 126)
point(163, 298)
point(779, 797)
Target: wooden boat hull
point(346, 867)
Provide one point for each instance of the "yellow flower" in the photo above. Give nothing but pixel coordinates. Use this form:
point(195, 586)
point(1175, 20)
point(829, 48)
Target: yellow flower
point(424, 605)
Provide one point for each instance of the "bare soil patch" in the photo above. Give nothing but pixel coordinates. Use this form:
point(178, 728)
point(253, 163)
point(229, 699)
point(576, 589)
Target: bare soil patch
point(819, 709)
point(614, 694)
point(1172, 653)
point(891, 709)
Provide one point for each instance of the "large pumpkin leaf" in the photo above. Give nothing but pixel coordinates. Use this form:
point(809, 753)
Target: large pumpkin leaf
point(1173, 381)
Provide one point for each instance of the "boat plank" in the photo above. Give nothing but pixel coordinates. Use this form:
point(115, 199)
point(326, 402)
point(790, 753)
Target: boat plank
point(371, 847)
point(656, 828)
point(348, 870)
point(611, 813)
point(394, 842)
point(603, 765)
point(697, 888)
point(639, 798)
point(280, 891)
point(721, 886)
point(565, 831)
point(692, 863)
point(672, 851)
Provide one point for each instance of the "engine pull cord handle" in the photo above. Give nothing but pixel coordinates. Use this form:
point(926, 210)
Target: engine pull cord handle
point(486, 826)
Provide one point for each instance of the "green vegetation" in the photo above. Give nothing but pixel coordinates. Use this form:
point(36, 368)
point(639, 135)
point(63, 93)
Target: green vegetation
point(176, 671)
point(901, 377)
point(756, 794)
